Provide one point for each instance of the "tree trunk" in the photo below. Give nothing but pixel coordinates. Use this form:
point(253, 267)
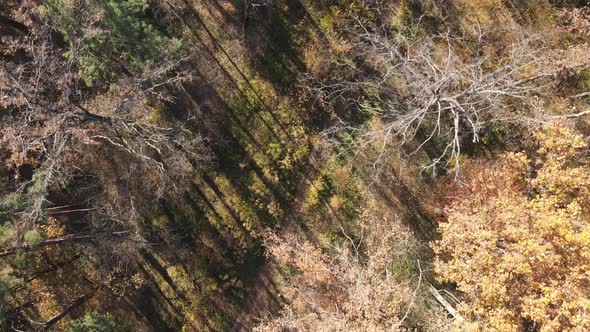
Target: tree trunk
point(58, 240)
point(53, 320)
point(445, 304)
point(28, 248)
point(53, 267)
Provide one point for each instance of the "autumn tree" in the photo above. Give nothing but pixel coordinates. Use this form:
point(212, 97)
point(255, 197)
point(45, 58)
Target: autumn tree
point(517, 237)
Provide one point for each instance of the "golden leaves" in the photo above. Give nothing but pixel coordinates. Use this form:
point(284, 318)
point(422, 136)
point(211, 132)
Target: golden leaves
point(516, 241)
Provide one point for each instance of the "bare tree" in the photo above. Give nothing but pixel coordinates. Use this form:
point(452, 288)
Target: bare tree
point(440, 87)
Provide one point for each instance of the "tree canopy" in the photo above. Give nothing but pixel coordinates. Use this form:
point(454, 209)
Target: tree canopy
point(107, 37)
point(517, 237)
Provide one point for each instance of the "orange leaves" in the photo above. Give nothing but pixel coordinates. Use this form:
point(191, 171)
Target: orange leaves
point(517, 238)
point(53, 228)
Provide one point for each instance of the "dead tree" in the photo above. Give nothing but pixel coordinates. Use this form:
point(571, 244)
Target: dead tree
point(441, 87)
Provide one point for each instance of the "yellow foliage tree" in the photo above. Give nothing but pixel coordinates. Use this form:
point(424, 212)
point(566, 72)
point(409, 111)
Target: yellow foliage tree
point(517, 240)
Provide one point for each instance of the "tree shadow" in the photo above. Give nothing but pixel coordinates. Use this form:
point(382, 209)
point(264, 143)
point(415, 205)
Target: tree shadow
point(391, 188)
point(147, 303)
point(242, 152)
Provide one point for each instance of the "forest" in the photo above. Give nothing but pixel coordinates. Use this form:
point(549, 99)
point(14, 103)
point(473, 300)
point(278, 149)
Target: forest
point(294, 165)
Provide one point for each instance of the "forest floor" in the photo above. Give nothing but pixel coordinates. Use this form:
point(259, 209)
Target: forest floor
point(257, 64)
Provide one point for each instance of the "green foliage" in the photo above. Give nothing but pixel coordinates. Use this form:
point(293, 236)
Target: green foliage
point(404, 267)
point(330, 239)
point(18, 201)
point(327, 22)
point(110, 36)
point(181, 279)
point(346, 191)
point(37, 184)
point(19, 261)
point(289, 269)
point(9, 204)
point(319, 191)
point(95, 322)
point(221, 323)
point(7, 234)
point(335, 193)
point(8, 283)
point(33, 237)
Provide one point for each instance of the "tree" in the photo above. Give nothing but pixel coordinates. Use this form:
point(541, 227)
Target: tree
point(517, 238)
point(52, 132)
point(336, 295)
point(437, 89)
point(8, 283)
point(106, 37)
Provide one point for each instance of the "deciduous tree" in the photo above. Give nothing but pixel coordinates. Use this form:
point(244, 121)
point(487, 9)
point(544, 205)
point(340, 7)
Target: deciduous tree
point(517, 238)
